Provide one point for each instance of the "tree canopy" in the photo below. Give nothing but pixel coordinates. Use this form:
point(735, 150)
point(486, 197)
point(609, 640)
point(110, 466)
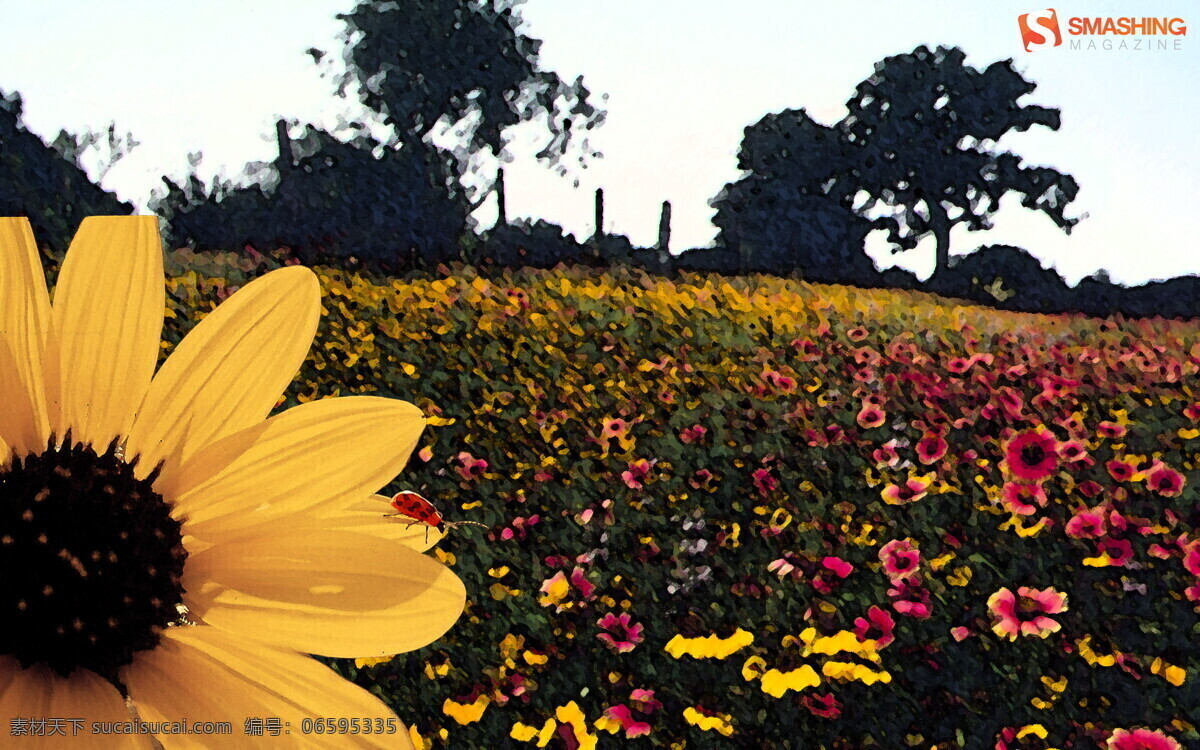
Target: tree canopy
point(464, 63)
point(921, 133)
point(915, 155)
point(783, 215)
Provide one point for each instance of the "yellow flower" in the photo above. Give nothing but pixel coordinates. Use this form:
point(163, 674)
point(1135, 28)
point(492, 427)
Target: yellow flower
point(777, 683)
point(466, 713)
point(196, 551)
point(1169, 672)
point(722, 723)
point(710, 646)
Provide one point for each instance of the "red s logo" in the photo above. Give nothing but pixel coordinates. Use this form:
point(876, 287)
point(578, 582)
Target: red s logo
point(1039, 29)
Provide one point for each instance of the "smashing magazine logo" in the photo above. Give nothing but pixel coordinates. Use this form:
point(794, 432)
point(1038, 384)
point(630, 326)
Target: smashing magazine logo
point(1040, 30)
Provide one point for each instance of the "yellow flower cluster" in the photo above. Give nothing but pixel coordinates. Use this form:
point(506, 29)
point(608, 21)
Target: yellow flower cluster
point(570, 715)
point(721, 723)
point(710, 646)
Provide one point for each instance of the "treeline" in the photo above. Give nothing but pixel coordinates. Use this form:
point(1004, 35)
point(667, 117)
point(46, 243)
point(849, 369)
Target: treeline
point(914, 157)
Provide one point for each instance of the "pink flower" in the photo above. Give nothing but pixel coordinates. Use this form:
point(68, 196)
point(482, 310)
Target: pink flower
point(621, 633)
point(579, 580)
point(1119, 470)
point(1032, 456)
point(643, 700)
point(910, 492)
point(1072, 451)
point(702, 479)
point(1118, 551)
point(693, 434)
point(1166, 481)
point(1015, 497)
point(1024, 613)
point(1191, 558)
point(614, 428)
point(886, 455)
point(624, 718)
point(871, 416)
point(1141, 739)
point(764, 482)
point(838, 566)
point(910, 599)
point(931, 448)
point(470, 468)
point(901, 560)
point(1087, 524)
point(826, 706)
point(877, 619)
point(638, 471)
point(1111, 430)
point(960, 634)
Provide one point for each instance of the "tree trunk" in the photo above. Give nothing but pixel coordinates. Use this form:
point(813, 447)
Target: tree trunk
point(940, 224)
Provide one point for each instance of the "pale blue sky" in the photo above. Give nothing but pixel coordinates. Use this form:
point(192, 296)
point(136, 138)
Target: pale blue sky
point(684, 77)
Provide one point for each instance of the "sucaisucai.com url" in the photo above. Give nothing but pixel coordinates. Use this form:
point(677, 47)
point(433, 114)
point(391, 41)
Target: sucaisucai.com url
point(161, 727)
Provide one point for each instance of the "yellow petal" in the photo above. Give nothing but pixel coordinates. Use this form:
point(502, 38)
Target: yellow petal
point(332, 593)
point(108, 316)
point(24, 328)
point(307, 459)
point(201, 674)
point(229, 371)
point(373, 515)
point(39, 693)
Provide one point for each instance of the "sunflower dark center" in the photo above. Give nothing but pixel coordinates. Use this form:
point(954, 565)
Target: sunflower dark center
point(91, 560)
point(1032, 454)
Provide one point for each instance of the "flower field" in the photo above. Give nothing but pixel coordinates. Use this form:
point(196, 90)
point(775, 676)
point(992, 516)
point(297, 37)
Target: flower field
point(758, 513)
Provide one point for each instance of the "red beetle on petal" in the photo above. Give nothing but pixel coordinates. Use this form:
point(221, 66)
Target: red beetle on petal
point(416, 509)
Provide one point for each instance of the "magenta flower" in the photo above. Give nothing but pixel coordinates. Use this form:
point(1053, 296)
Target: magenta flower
point(901, 560)
point(764, 482)
point(1191, 558)
point(637, 473)
point(931, 448)
point(1166, 481)
point(643, 701)
point(621, 633)
point(1015, 497)
point(1024, 613)
point(1141, 739)
point(826, 706)
point(1087, 524)
point(871, 416)
point(877, 619)
point(886, 455)
point(579, 580)
point(470, 468)
point(624, 718)
point(693, 434)
point(910, 599)
point(1032, 456)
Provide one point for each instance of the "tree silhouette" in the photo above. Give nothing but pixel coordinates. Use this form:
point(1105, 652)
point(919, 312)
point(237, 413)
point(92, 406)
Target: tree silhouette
point(387, 207)
point(464, 63)
point(44, 184)
point(920, 134)
point(782, 215)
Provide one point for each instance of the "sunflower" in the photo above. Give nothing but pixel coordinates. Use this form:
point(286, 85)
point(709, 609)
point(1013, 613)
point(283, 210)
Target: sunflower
point(166, 548)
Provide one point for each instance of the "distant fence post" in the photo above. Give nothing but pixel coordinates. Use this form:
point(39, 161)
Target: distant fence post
point(664, 236)
point(502, 206)
point(599, 234)
point(285, 144)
